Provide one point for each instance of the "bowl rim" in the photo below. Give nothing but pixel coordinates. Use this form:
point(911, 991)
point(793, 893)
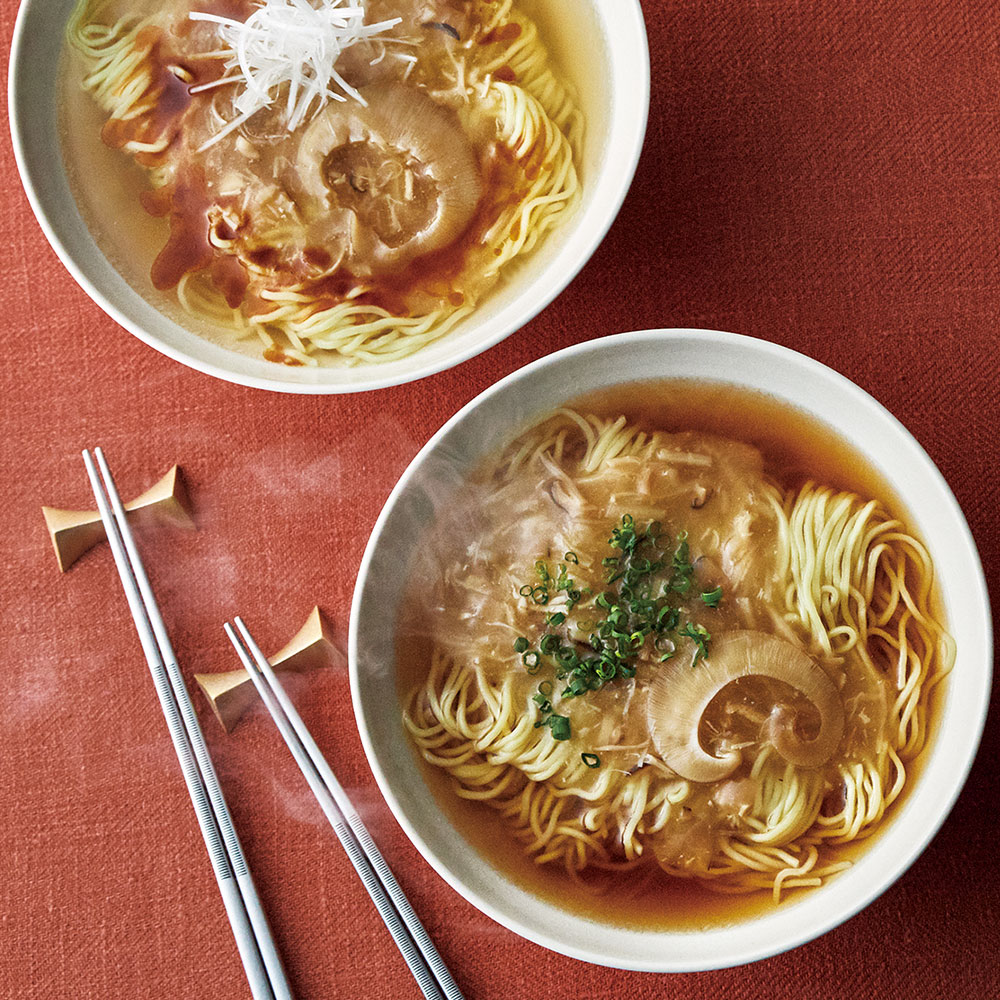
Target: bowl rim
point(981, 639)
point(626, 137)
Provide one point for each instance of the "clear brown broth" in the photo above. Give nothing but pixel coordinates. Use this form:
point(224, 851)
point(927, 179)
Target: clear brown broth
point(796, 448)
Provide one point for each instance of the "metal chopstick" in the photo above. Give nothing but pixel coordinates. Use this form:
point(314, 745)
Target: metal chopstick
point(425, 963)
point(264, 971)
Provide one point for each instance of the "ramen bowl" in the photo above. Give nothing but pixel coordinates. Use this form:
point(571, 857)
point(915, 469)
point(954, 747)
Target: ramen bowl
point(481, 429)
point(601, 50)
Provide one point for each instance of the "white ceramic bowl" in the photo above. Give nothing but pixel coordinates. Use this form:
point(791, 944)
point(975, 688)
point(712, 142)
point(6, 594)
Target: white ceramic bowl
point(603, 50)
point(485, 425)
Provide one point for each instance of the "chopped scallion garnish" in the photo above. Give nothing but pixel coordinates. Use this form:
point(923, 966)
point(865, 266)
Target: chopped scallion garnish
point(643, 604)
point(559, 726)
point(712, 597)
point(701, 638)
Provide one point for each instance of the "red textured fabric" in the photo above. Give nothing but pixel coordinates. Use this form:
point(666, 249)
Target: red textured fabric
point(822, 175)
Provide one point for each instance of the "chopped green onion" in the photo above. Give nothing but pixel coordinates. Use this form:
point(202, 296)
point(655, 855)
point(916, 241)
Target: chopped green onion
point(638, 612)
point(549, 643)
point(712, 597)
point(591, 759)
point(681, 564)
point(701, 637)
point(559, 726)
point(543, 703)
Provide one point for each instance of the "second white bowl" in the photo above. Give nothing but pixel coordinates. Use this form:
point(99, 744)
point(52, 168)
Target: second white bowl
point(487, 423)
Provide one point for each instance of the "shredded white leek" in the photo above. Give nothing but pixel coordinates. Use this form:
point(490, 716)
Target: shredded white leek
point(293, 42)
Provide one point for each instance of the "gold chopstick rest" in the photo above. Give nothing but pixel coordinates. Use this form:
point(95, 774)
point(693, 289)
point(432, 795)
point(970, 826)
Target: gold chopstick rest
point(73, 532)
point(231, 693)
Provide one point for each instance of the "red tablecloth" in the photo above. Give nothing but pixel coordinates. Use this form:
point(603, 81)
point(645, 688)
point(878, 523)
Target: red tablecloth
point(826, 176)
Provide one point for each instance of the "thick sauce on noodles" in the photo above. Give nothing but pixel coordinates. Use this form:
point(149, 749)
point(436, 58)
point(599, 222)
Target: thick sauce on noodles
point(358, 230)
point(794, 450)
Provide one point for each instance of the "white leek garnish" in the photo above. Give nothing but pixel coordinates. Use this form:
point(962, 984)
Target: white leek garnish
point(293, 42)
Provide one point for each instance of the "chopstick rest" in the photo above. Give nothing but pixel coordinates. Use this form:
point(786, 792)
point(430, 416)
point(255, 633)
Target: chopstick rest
point(232, 692)
point(74, 532)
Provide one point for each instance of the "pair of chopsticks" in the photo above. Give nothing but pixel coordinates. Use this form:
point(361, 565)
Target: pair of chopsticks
point(411, 938)
point(239, 896)
point(254, 941)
